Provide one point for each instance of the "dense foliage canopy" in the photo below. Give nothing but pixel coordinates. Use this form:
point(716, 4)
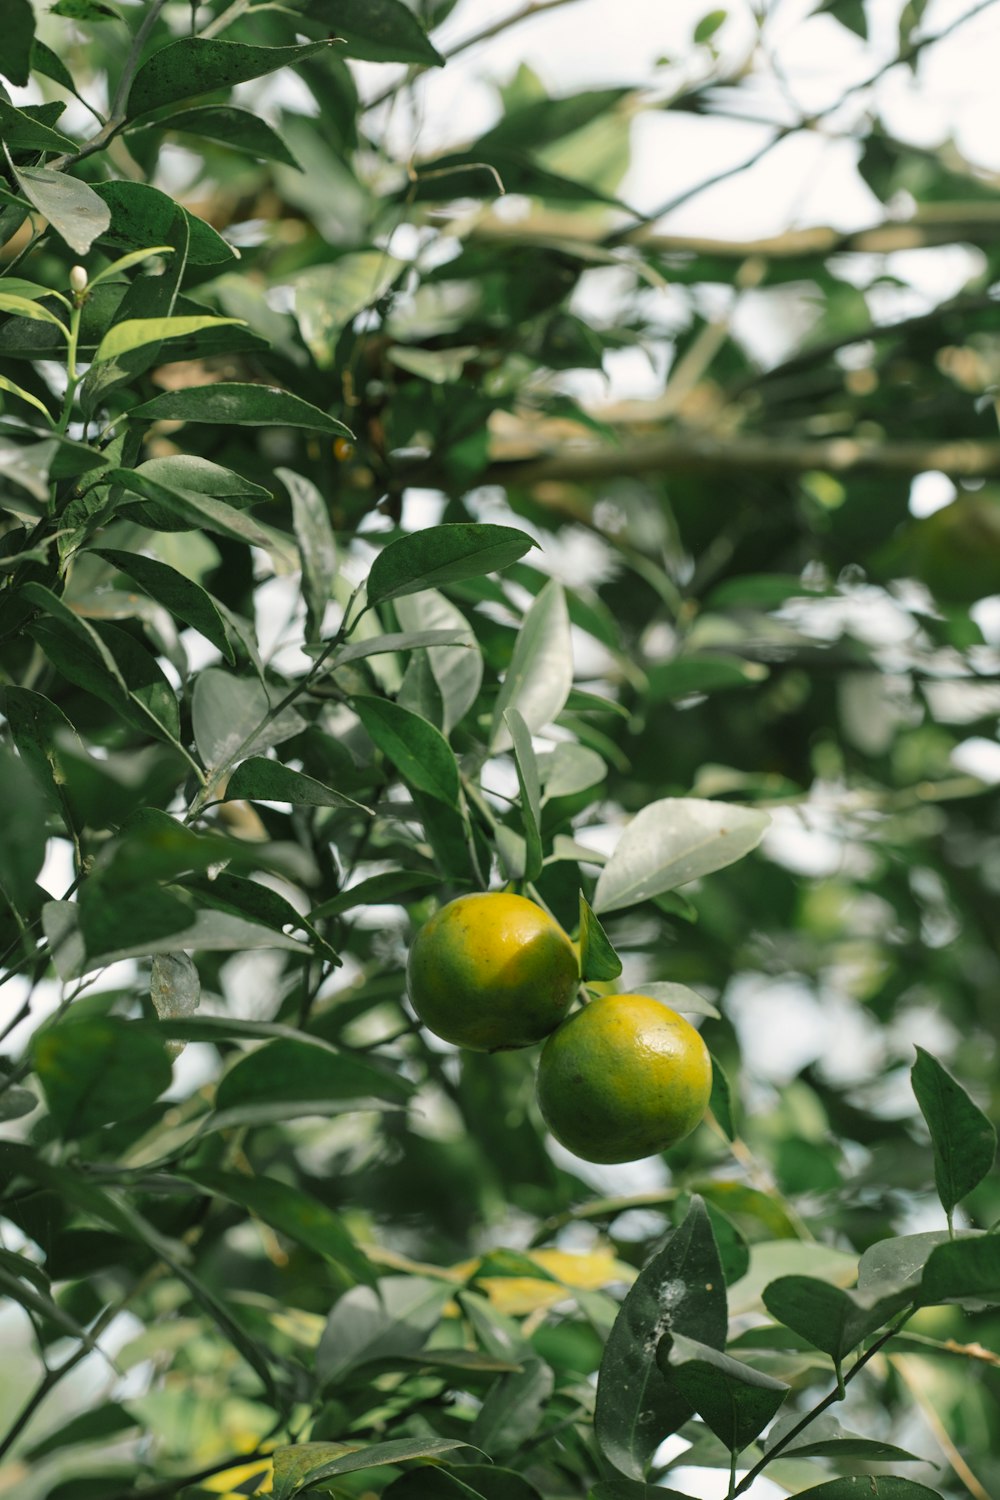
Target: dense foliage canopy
point(332, 588)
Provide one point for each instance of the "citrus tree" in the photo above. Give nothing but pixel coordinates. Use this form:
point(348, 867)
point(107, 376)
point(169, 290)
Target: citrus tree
point(327, 600)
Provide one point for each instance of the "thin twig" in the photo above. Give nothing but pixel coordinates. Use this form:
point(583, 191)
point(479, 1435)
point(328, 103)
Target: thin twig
point(537, 8)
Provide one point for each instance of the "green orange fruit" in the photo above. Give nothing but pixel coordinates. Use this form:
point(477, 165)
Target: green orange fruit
point(491, 971)
point(622, 1078)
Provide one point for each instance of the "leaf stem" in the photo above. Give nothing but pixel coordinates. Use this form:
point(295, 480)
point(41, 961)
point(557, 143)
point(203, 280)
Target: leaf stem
point(837, 1394)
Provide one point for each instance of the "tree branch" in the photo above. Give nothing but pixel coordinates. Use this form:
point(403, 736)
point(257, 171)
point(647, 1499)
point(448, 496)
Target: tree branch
point(698, 453)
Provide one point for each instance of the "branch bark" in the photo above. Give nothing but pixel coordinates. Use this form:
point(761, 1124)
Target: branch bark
point(698, 453)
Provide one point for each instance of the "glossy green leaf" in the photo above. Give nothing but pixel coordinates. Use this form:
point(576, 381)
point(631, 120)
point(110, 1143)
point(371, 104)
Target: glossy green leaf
point(632, 1489)
point(135, 333)
point(831, 1318)
point(376, 891)
point(963, 1269)
point(680, 998)
point(512, 1410)
point(869, 1487)
point(24, 307)
point(258, 903)
point(598, 959)
point(443, 554)
point(732, 1398)
point(963, 1138)
point(97, 1070)
point(364, 1328)
point(261, 780)
point(16, 390)
point(420, 753)
point(680, 1291)
point(540, 674)
point(383, 645)
point(232, 717)
point(239, 128)
point(570, 768)
point(241, 406)
point(109, 1420)
point(826, 1438)
point(291, 1476)
point(301, 1073)
point(204, 511)
point(317, 549)
point(76, 212)
point(19, 34)
point(139, 216)
point(328, 297)
point(721, 1100)
point(200, 65)
point(672, 841)
point(296, 1214)
point(377, 30)
point(457, 669)
point(187, 600)
point(23, 812)
point(531, 799)
point(22, 132)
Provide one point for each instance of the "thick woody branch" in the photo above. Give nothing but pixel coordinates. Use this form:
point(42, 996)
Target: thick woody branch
point(696, 453)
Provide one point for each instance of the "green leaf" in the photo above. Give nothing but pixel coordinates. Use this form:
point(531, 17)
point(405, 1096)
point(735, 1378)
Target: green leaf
point(963, 1269)
point(109, 1420)
point(377, 30)
point(328, 297)
point(75, 211)
point(126, 262)
point(540, 675)
point(135, 333)
point(23, 307)
point(512, 1410)
point(709, 25)
point(231, 717)
point(964, 1140)
point(869, 1487)
point(317, 549)
point(23, 815)
point(86, 10)
point(200, 65)
point(531, 797)
point(376, 890)
point(733, 1399)
point(680, 1291)
point(98, 1070)
point(892, 1264)
point(631, 1489)
point(296, 1214)
point(303, 1073)
point(701, 674)
point(457, 669)
point(174, 985)
point(443, 554)
point(826, 1438)
point(259, 903)
point(569, 769)
point(420, 753)
point(202, 511)
point(23, 395)
point(261, 780)
point(18, 36)
point(598, 959)
point(721, 1099)
point(384, 645)
point(831, 1318)
point(680, 998)
point(22, 132)
point(292, 1474)
point(186, 600)
point(142, 216)
point(671, 842)
point(240, 406)
point(239, 128)
point(364, 1327)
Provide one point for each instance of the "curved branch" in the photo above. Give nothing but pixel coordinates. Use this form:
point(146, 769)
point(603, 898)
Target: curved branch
point(706, 453)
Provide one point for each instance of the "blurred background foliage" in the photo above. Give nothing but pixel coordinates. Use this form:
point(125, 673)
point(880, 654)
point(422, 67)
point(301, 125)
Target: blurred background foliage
point(766, 472)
